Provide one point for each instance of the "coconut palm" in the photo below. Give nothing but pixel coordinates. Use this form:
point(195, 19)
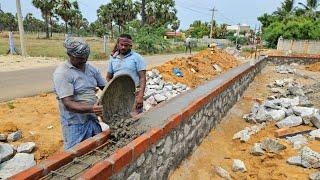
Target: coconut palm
point(311, 8)
point(46, 7)
point(286, 9)
point(105, 16)
point(66, 9)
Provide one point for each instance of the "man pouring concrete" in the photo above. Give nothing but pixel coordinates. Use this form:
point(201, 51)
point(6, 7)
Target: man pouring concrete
point(75, 84)
point(125, 61)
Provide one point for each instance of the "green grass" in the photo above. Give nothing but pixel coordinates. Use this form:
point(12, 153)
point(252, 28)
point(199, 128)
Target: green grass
point(53, 47)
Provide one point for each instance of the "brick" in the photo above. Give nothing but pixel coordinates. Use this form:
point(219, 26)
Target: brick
point(281, 132)
point(289, 132)
point(101, 170)
point(176, 119)
point(102, 137)
point(188, 111)
point(247, 97)
point(172, 122)
point(56, 161)
point(84, 147)
point(259, 100)
point(32, 173)
point(155, 135)
point(203, 100)
point(121, 158)
point(139, 145)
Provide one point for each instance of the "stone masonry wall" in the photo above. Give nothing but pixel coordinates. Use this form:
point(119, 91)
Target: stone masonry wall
point(167, 154)
point(280, 60)
point(299, 46)
point(166, 147)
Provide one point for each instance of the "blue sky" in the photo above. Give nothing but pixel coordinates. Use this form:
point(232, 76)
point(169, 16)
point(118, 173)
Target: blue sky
point(229, 11)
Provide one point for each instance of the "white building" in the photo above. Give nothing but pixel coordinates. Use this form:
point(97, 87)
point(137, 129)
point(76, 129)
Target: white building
point(242, 27)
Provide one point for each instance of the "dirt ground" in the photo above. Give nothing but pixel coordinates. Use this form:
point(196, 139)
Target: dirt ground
point(38, 119)
point(13, 63)
point(314, 67)
point(218, 148)
point(198, 68)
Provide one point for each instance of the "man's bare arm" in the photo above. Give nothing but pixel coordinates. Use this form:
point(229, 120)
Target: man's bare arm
point(78, 107)
point(109, 76)
point(142, 83)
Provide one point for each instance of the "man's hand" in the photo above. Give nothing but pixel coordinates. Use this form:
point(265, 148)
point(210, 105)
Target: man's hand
point(98, 110)
point(139, 102)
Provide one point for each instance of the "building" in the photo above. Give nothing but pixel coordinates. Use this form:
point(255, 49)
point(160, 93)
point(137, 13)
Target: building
point(243, 27)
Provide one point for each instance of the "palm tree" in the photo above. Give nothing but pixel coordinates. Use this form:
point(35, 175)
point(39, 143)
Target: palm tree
point(65, 11)
point(160, 12)
point(105, 16)
point(46, 7)
point(311, 8)
point(285, 10)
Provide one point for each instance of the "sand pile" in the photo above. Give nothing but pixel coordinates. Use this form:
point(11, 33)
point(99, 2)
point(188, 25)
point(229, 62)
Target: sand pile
point(198, 68)
point(314, 67)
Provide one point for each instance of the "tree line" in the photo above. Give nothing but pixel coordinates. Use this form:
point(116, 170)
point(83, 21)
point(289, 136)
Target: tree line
point(114, 17)
point(291, 21)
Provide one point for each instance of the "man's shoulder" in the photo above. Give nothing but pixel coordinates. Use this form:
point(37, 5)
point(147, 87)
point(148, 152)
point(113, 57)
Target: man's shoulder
point(92, 67)
point(136, 55)
point(62, 68)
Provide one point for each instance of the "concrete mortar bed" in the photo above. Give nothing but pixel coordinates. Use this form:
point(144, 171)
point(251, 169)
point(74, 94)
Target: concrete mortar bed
point(218, 148)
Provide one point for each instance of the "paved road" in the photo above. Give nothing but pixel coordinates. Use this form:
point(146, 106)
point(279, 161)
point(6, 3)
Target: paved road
point(29, 82)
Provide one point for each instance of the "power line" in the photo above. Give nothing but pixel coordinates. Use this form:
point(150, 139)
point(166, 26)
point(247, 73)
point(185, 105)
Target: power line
point(193, 10)
point(233, 22)
point(193, 5)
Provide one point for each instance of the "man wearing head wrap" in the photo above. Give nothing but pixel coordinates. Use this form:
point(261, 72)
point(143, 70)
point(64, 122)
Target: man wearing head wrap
point(125, 61)
point(75, 84)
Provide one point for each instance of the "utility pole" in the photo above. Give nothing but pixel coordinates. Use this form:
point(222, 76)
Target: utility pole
point(212, 19)
point(21, 30)
point(143, 12)
point(237, 34)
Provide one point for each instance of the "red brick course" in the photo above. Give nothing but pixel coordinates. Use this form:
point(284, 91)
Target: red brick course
point(62, 158)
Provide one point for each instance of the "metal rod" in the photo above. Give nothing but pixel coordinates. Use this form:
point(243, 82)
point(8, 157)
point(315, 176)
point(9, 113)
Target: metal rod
point(60, 174)
point(77, 160)
point(101, 152)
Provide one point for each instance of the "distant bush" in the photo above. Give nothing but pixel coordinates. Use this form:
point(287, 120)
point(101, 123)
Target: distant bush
point(151, 40)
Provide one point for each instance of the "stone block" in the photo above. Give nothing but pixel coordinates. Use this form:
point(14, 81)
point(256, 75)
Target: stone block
point(18, 163)
point(271, 145)
point(6, 152)
point(290, 121)
point(238, 165)
point(26, 147)
point(14, 136)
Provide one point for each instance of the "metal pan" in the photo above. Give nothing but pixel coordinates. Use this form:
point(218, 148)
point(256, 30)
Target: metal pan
point(118, 98)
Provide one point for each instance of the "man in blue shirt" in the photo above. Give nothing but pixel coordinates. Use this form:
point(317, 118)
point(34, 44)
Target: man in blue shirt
point(75, 84)
point(125, 61)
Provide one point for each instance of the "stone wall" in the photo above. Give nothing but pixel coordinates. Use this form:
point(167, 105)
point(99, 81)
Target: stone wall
point(160, 150)
point(299, 46)
point(280, 60)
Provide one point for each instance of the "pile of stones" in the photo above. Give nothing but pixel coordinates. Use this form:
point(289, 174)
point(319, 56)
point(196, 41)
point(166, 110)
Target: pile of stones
point(157, 90)
point(14, 159)
point(289, 106)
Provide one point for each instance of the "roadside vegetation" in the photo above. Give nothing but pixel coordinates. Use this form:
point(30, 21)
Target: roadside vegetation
point(291, 21)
